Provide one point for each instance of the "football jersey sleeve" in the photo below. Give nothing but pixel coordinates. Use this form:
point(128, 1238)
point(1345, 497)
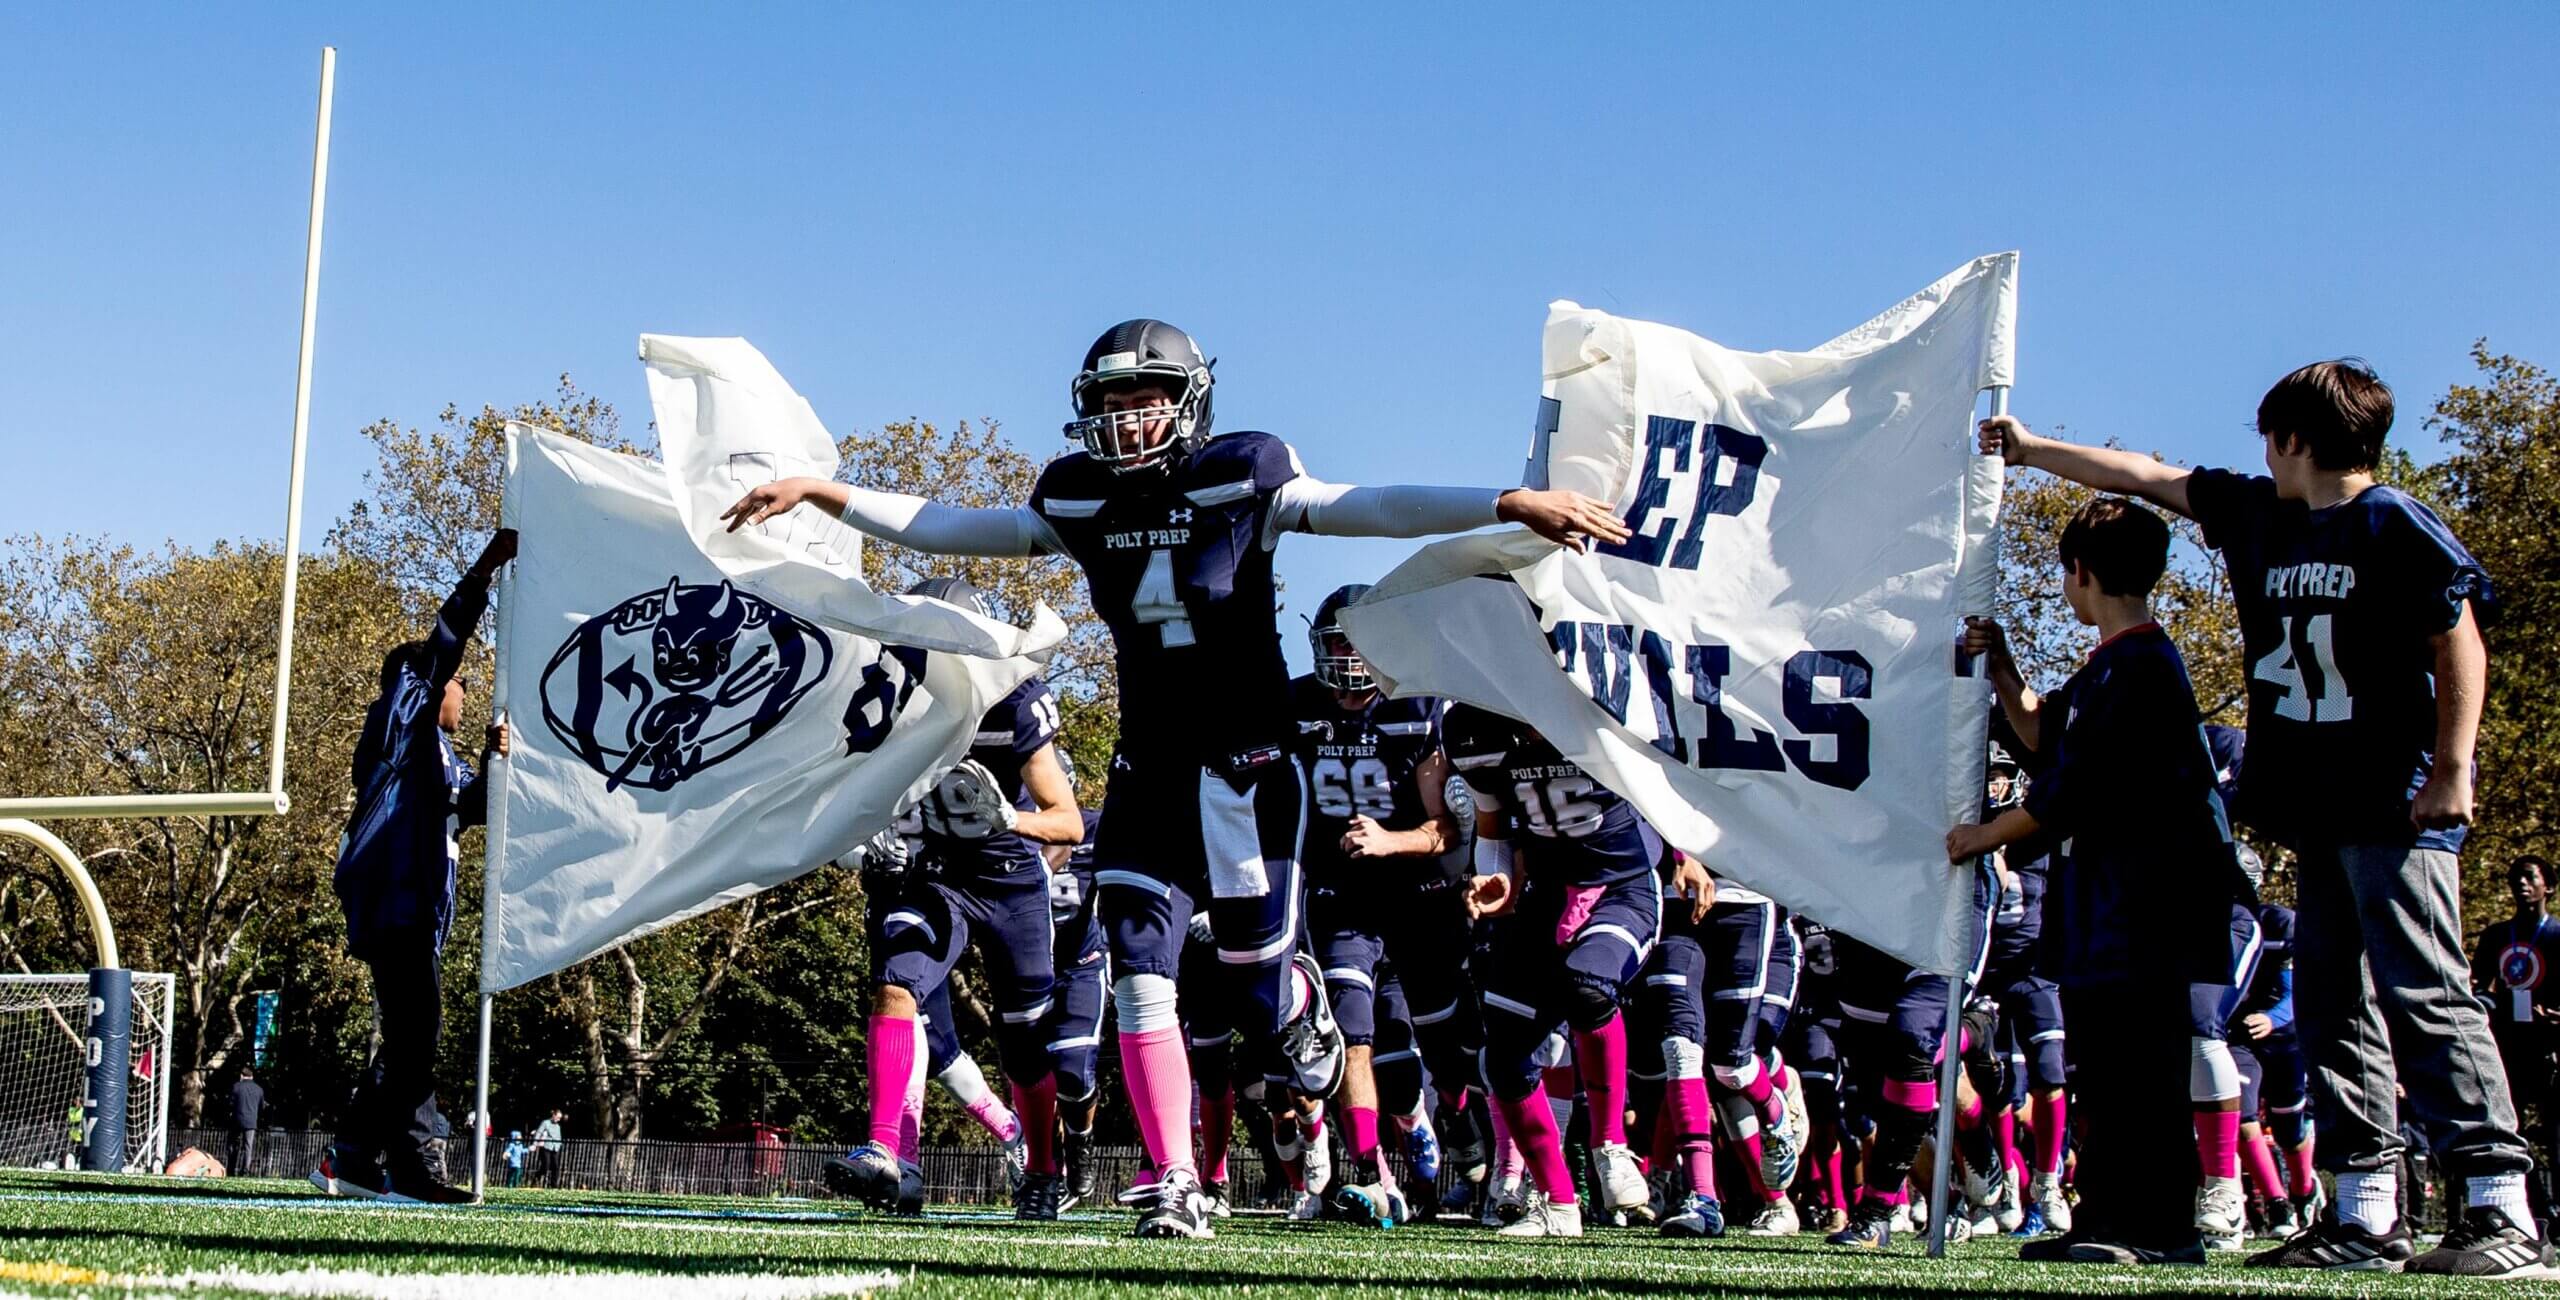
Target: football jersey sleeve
point(2226, 504)
point(1035, 717)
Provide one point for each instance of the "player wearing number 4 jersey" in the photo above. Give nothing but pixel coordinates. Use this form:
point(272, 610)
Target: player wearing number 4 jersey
point(1175, 531)
point(1376, 835)
point(2360, 618)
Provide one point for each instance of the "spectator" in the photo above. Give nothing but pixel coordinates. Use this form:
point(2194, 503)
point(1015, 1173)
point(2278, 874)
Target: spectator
point(395, 879)
point(513, 1157)
point(2511, 969)
point(546, 1150)
point(247, 1099)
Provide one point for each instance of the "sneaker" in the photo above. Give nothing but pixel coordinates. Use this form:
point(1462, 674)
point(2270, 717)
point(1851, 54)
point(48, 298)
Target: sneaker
point(1870, 1226)
point(1312, 1043)
point(1307, 1207)
point(1041, 1198)
point(1219, 1206)
point(1422, 1147)
point(1777, 1160)
point(1017, 1159)
point(1079, 1154)
point(2331, 1243)
point(1508, 1202)
point(1776, 1219)
point(1173, 1206)
point(2486, 1243)
point(1541, 1217)
point(2045, 1190)
point(870, 1173)
point(1695, 1215)
point(339, 1175)
point(1622, 1186)
point(2222, 1214)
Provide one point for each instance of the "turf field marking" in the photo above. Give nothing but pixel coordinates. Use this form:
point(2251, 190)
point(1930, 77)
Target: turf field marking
point(45, 1272)
point(534, 1286)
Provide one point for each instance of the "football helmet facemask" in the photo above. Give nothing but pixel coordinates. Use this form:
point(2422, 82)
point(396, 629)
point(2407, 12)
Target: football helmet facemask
point(1338, 665)
point(1142, 353)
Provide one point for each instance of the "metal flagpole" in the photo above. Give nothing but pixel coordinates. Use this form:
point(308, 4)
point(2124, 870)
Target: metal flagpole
point(493, 855)
point(1942, 1169)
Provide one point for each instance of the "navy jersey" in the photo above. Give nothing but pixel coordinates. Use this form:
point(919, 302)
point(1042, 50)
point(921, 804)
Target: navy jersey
point(1566, 827)
point(1078, 932)
point(957, 842)
point(1178, 569)
point(2147, 867)
point(2337, 607)
point(1360, 762)
point(2270, 991)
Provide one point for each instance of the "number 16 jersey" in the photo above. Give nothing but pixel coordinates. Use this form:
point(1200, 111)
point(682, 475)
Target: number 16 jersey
point(1361, 763)
point(1567, 828)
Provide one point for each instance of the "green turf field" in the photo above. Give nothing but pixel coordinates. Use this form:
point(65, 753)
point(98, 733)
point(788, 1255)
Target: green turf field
point(92, 1235)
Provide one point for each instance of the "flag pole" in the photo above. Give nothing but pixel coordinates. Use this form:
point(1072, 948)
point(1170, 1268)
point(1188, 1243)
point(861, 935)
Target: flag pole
point(493, 854)
point(1950, 1066)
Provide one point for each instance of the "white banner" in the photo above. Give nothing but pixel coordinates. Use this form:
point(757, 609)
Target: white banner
point(680, 739)
point(1767, 668)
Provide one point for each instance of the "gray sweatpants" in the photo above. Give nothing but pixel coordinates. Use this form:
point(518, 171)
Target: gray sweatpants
point(2382, 997)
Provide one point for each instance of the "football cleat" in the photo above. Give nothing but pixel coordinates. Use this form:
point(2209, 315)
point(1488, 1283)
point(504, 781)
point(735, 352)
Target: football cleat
point(1312, 1042)
point(2331, 1243)
point(1776, 1219)
point(1219, 1206)
point(1316, 1162)
point(2046, 1191)
point(1799, 1119)
point(1541, 1217)
point(339, 1175)
point(1306, 1207)
point(1622, 1187)
point(2282, 1220)
point(1778, 1159)
point(1172, 1206)
point(2484, 1242)
point(1366, 1197)
point(1870, 1226)
point(1508, 1202)
point(1079, 1154)
point(2032, 1223)
point(2222, 1214)
point(1422, 1147)
point(1042, 1197)
point(1694, 1215)
point(1017, 1159)
point(873, 1175)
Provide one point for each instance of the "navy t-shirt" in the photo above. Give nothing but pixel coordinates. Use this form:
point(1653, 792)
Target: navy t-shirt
point(2146, 868)
point(1361, 763)
point(1567, 828)
point(1178, 571)
point(2337, 608)
point(956, 842)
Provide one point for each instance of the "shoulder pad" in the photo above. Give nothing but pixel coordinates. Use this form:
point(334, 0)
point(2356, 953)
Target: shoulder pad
point(1239, 464)
point(1071, 487)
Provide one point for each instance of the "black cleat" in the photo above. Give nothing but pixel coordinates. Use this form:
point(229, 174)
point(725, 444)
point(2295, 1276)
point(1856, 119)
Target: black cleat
point(1040, 1198)
point(2486, 1243)
point(2332, 1243)
point(1174, 1207)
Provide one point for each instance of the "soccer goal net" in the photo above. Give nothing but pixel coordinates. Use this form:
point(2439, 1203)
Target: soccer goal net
point(44, 1022)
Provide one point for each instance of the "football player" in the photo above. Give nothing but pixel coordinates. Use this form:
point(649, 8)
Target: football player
point(1812, 1039)
point(979, 831)
point(1571, 868)
point(1073, 1026)
point(1175, 531)
point(2275, 1082)
point(1377, 827)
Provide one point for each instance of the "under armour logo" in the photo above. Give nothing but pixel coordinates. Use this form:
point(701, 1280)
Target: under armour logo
point(1182, 516)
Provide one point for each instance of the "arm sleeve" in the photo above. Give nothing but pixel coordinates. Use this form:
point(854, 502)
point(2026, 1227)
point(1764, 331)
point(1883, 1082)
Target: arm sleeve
point(949, 530)
point(455, 623)
point(1308, 505)
point(2281, 1014)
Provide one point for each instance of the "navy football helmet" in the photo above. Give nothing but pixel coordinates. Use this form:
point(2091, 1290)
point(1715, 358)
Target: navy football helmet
point(954, 591)
point(1338, 665)
point(1130, 354)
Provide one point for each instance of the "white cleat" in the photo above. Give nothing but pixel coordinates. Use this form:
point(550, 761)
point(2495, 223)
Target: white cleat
point(2046, 1191)
point(1622, 1185)
point(1545, 1218)
point(1307, 1208)
point(1776, 1219)
point(2222, 1214)
point(1505, 1205)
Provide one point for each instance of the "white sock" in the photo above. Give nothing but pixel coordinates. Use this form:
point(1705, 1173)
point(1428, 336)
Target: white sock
point(2370, 1199)
point(2505, 1191)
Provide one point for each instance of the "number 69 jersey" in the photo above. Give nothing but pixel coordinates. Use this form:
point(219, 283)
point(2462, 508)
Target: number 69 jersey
point(1568, 828)
point(1360, 762)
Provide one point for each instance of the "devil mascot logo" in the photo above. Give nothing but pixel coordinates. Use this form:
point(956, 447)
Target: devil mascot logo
point(722, 668)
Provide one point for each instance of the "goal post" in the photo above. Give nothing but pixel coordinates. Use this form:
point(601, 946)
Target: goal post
point(84, 1070)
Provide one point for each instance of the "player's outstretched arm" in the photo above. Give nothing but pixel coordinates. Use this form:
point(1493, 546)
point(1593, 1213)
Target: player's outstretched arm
point(2108, 469)
point(1568, 519)
point(906, 520)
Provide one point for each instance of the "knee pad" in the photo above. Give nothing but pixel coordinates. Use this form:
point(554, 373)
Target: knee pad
point(2290, 1127)
point(1682, 1059)
point(1145, 1003)
point(1589, 1001)
point(966, 1083)
point(1735, 1078)
point(2211, 1073)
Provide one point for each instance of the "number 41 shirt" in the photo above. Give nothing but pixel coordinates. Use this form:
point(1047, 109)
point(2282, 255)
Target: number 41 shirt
point(2337, 610)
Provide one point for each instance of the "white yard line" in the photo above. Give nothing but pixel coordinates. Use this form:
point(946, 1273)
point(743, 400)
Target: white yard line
point(371, 1285)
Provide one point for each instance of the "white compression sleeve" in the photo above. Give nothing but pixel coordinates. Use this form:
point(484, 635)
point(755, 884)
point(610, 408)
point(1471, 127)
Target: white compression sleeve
point(948, 530)
point(1307, 505)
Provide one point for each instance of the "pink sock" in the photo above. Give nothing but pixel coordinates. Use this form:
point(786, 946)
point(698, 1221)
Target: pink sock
point(1533, 1126)
point(1921, 1096)
point(892, 1060)
point(991, 1113)
point(1039, 1122)
point(2306, 1175)
point(1834, 1179)
point(2262, 1166)
point(1160, 1091)
point(1508, 1163)
point(2051, 1116)
point(1691, 1119)
point(1602, 1055)
point(1364, 1131)
point(1217, 1130)
point(911, 1116)
point(1763, 1092)
point(2218, 1143)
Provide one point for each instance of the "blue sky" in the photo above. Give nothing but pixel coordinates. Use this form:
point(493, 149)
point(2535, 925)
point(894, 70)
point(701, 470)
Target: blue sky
point(1363, 214)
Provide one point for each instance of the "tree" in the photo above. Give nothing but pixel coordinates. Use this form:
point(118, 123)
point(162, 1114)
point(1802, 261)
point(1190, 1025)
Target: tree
point(2499, 489)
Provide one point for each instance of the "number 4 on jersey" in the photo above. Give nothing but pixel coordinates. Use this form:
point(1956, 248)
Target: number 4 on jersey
point(2305, 668)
